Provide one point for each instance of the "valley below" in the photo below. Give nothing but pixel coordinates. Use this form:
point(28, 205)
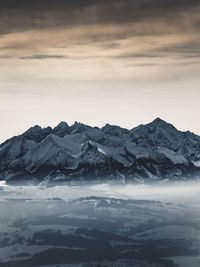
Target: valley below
point(100, 224)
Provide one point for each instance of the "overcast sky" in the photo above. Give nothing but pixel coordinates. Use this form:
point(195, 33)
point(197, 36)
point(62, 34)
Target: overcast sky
point(124, 62)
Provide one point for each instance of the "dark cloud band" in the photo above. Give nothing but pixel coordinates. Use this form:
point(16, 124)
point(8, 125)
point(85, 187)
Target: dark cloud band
point(23, 14)
point(137, 17)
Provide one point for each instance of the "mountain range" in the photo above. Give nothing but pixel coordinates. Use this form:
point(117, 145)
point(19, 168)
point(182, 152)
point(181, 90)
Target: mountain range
point(153, 151)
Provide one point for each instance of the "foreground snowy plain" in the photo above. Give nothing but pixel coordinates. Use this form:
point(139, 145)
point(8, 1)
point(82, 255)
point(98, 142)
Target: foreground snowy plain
point(86, 224)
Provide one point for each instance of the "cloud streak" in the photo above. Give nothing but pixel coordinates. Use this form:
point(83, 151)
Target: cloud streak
point(31, 28)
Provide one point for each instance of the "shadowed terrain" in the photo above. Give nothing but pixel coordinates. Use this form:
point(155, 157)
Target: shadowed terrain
point(94, 230)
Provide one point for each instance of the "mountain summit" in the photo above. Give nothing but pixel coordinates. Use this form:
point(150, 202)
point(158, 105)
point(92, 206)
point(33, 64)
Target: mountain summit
point(153, 151)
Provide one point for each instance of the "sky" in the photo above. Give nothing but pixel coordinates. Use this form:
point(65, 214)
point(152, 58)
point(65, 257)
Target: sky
point(121, 62)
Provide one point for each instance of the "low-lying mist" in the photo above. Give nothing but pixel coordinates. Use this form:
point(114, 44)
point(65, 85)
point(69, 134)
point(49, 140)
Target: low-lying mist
point(178, 192)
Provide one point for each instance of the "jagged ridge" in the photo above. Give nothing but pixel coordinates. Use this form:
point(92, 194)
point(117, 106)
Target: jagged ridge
point(153, 151)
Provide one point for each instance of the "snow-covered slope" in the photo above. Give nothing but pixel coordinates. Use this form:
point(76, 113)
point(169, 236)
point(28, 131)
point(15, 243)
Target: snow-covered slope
point(153, 151)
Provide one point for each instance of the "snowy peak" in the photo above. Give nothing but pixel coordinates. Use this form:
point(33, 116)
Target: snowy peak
point(62, 126)
point(158, 133)
point(78, 127)
point(156, 125)
point(61, 129)
point(113, 130)
point(156, 150)
point(159, 122)
point(36, 133)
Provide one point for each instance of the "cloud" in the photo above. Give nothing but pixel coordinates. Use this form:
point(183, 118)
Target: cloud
point(96, 39)
point(41, 57)
point(186, 49)
point(133, 18)
point(24, 15)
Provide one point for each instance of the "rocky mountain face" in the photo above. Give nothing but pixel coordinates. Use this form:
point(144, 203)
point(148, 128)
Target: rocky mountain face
point(148, 152)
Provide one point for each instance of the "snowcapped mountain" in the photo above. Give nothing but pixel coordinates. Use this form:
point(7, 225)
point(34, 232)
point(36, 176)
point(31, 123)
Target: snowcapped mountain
point(148, 152)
